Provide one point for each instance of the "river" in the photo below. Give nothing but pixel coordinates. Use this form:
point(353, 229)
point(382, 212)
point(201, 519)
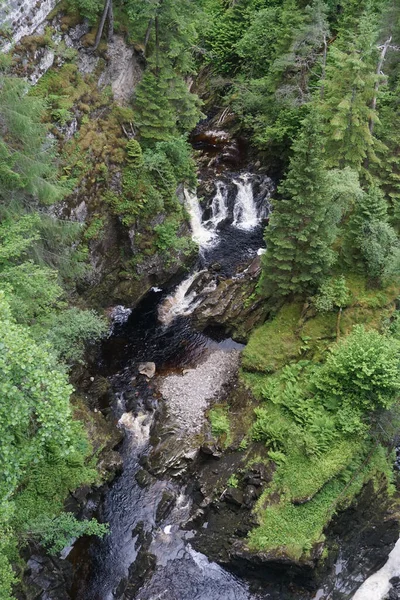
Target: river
point(148, 553)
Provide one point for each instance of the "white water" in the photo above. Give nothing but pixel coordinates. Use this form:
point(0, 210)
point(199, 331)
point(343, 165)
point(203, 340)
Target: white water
point(180, 302)
point(377, 586)
point(219, 205)
point(200, 234)
point(245, 213)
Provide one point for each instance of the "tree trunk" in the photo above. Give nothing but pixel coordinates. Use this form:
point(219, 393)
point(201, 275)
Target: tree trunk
point(110, 22)
point(148, 33)
point(384, 49)
point(107, 4)
point(339, 316)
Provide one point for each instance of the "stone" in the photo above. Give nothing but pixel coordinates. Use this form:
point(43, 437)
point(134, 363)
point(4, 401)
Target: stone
point(165, 506)
point(234, 496)
point(148, 369)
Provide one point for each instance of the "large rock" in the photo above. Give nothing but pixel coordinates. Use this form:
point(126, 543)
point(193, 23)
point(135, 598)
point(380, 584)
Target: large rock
point(148, 369)
point(21, 19)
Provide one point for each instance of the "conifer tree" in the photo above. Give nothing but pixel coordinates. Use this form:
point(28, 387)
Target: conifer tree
point(371, 244)
point(302, 226)
point(164, 106)
point(349, 90)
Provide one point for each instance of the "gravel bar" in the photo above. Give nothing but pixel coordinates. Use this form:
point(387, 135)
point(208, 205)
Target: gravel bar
point(187, 396)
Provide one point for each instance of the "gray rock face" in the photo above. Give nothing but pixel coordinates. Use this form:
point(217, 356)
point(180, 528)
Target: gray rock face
point(123, 72)
point(21, 17)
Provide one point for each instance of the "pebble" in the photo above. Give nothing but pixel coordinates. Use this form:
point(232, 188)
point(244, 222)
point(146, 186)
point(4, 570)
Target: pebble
point(187, 396)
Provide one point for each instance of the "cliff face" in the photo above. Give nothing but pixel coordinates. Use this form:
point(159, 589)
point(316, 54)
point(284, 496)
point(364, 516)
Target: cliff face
point(19, 18)
point(53, 50)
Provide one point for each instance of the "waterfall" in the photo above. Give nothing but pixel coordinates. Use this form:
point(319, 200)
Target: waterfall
point(200, 234)
point(377, 586)
point(180, 302)
point(219, 205)
point(245, 214)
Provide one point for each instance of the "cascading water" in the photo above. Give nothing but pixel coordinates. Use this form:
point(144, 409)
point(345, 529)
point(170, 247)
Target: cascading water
point(200, 234)
point(180, 302)
point(245, 213)
point(219, 205)
point(147, 556)
point(378, 585)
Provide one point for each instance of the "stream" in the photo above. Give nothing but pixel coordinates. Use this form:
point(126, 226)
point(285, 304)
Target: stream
point(148, 553)
point(229, 233)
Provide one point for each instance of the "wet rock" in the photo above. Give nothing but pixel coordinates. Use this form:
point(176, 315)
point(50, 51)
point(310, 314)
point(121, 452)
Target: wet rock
point(228, 305)
point(165, 506)
point(143, 567)
point(144, 478)
point(211, 449)
point(250, 495)
point(148, 369)
point(234, 496)
point(110, 465)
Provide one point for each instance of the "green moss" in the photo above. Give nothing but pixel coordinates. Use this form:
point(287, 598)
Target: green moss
point(273, 344)
point(294, 529)
point(300, 477)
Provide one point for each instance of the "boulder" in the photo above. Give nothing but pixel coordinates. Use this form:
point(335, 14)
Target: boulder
point(148, 369)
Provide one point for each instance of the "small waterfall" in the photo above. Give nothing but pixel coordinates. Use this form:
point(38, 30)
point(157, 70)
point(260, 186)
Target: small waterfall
point(245, 213)
point(377, 586)
point(180, 302)
point(200, 234)
point(219, 206)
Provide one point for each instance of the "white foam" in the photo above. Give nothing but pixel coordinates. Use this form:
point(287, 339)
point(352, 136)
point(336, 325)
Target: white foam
point(377, 586)
point(245, 214)
point(180, 302)
point(200, 234)
point(219, 205)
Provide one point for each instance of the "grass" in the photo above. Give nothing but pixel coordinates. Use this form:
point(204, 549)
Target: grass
point(273, 344)
point(309, 485)
point(293, 530)
point(220, 427)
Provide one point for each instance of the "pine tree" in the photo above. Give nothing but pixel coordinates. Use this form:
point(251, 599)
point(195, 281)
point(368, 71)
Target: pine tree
point(349, 90)
point(164, 107)
point(371, 244)
point(302, 226)
point(154, 115)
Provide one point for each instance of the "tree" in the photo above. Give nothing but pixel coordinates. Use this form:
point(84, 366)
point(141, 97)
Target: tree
point(333, 293)
point(362, 372)
point(27, 159)
point(302, 225)
point(371, 244)
point(164, 107)
point(347, 106)
point(298, 66)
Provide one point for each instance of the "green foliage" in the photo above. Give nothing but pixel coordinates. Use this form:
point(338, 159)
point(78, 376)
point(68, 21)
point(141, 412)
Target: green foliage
point(26, 154)
point(69, 331)
point(346, 107)
point(303, 223)
point(332, 293)
point(361, 373)
point(160, 99)
point(219, 422)
point(55, 534)
point(295, 529)
point(87, 8)
point(233, 481)
point(134, 154)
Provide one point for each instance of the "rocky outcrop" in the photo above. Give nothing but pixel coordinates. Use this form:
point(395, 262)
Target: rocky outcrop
point(234, 304)
point(19, 18)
